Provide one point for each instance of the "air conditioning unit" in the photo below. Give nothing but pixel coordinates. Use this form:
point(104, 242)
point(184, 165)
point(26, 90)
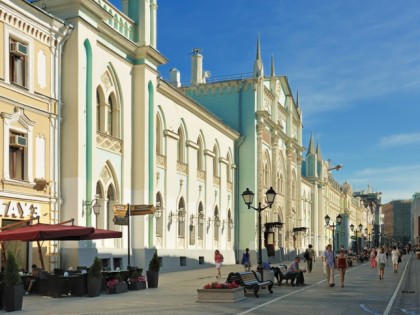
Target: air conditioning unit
point(18, 141)
point(19, 49)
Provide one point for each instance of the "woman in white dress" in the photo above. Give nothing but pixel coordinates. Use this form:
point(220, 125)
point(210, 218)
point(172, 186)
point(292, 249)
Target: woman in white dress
point(395, 254)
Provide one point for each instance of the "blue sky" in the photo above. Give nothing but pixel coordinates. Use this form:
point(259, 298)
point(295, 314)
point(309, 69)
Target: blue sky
point(356, 65)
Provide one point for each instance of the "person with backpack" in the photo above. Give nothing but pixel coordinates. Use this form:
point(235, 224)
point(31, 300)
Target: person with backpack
point(246, 261)
point(309, 257)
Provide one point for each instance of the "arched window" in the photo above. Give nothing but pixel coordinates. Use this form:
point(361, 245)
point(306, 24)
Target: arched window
point(181, 146)
point(181, 218)
point(229, 168)
point(216, 161)
point(216, 225)
point(267, 170)
point(201, 221)
point(229, 226)
point(159, 219)
point(200, 155)
point(100, 196)
point(98, 111)
point(110, 207)
point(159, 135)
point(110, 116)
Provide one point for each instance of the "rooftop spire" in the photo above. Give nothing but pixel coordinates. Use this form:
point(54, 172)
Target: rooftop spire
point(311, 149)
point(258, 64)
point(318, 152)
point(272, 66)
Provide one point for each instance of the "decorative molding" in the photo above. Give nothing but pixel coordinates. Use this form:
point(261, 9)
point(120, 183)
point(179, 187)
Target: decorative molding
point(109, 143)
point(161, 160)
point(201, 175)
point(182, 168)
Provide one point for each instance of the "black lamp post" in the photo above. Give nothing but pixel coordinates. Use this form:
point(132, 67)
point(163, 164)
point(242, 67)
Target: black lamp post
point(355, 232)
point(248, 197)
point(327, 223)
point(373, 237)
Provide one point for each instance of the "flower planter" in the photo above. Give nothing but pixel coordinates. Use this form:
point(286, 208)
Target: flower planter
point(139, 285)
point(13, 297)
point(119, 288)
point(220, 295)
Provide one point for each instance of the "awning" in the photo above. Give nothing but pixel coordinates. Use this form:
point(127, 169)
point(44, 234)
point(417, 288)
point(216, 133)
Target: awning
point(45, 232)
point(55, 232)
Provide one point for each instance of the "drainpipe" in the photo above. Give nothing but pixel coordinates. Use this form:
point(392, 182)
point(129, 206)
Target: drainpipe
point(60, 53)
point(59, 99)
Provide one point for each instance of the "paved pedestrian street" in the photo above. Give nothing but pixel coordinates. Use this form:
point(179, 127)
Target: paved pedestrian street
point(363, 293)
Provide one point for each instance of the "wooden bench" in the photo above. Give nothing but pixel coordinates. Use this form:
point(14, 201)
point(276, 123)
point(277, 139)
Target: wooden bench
point(249, 280)
point(281, 274)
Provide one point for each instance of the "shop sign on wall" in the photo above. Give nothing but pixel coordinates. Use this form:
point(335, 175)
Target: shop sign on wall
point(18, 209)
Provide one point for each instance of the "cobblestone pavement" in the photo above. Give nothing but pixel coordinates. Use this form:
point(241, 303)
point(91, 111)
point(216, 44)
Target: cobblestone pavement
point(363, 294)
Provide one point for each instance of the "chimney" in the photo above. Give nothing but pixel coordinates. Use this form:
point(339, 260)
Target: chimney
point(124, 6)
point(175, 77)
point(197, 67)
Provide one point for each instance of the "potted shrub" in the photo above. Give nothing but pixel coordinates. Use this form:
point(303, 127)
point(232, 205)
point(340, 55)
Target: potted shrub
point(153, 272)
point(136, 281)
point(94, 280)
point(13, 287)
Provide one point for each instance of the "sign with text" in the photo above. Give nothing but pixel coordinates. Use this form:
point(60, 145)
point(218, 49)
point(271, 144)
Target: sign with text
point(120, 215)
point(142, 209)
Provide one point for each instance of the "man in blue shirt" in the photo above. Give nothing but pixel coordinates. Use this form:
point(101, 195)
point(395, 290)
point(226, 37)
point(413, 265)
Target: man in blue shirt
point(294, 270)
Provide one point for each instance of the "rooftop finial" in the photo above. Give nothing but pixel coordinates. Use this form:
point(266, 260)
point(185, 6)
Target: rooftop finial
point(272, 66)
point(258, 65)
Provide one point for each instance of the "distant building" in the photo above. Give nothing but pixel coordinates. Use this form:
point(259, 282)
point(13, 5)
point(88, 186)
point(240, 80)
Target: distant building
point(397, 221)
point(415, 219)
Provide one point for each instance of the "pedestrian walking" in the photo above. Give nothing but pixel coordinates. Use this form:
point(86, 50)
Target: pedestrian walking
point(329, 259)
point(395, 254)
point(373, 254)
point(309, 257)
point(381, 260)
point(342, 265)
point(218, 259)
point(246, 260)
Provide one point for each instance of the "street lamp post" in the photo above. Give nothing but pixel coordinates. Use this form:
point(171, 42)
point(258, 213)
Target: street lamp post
point(327, 223)
point(355, 232)
point(368, 234)
point(248, 197)
point(373, 237)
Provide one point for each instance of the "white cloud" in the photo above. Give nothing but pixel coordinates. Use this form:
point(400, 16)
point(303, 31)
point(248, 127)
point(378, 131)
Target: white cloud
point(400, 139)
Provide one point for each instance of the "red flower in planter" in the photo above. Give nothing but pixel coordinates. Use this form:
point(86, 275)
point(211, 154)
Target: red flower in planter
point(112, 283)
point(138, 279)
point(218, 285)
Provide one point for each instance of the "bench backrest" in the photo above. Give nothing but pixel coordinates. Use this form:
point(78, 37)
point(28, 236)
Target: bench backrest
point(248, 277)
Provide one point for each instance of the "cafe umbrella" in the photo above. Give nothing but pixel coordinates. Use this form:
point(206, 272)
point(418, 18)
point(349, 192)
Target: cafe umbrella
point(55, 232)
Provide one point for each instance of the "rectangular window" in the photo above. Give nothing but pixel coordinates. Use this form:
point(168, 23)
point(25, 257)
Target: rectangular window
point(17, 62)
point(17, 147)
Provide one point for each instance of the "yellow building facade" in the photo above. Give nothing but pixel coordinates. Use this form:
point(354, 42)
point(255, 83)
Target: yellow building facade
point(30, 43)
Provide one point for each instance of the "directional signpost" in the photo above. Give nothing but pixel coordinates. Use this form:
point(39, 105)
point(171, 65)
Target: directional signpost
point(122, 214)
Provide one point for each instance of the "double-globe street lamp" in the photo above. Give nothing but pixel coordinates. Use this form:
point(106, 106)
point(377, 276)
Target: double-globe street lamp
point(248, 197)
point(355, 232)
point(327, 223)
